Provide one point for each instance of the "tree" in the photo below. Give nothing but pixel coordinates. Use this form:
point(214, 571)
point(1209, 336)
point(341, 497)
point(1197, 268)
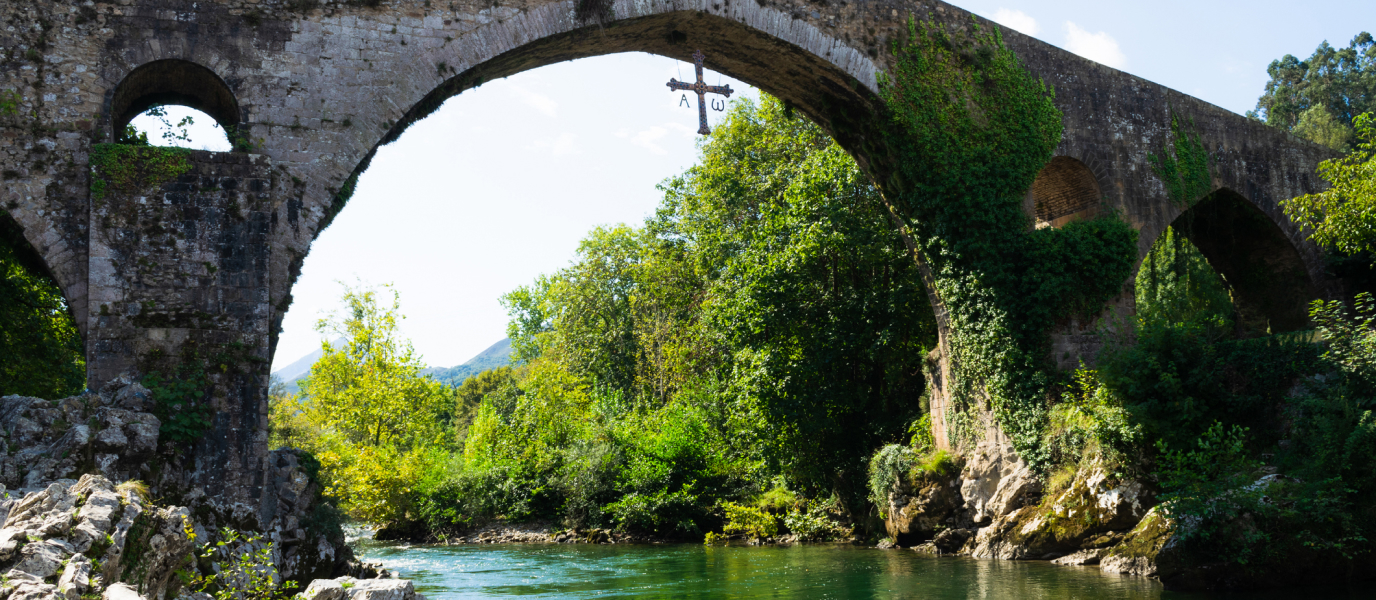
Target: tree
point(41, 353)
point(809, 288)
point(1339, 82)
point(1344, 216)
point(370, 389)
point(1176, 284)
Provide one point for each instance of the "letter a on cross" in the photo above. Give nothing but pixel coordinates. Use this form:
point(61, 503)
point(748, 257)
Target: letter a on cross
point(701, 89)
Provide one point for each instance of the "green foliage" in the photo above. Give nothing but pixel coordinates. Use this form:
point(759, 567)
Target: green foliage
point(470, 394)
point(9, 102)
point(755, 524)
point(179, 402)
point(370, 390)
point(1181, 378)
point(1318, 125)
point(814, 522)
point(888, 466)
point(128, 169)
point(41, 352)
point(1340, 81)
point(1175, 284)
point(1090, 425)
point(971, 129)
point(1184, 166)
point(1209, 484)
point(1343, 217)
point(240, 567)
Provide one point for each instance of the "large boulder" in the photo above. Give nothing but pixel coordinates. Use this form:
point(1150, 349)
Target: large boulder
point(1152, 539)
point(921, 508)
point(995, 482)
point(1075, 519)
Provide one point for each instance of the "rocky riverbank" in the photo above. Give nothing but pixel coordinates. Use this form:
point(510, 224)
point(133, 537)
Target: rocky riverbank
point(77, 476)
point(995, 507)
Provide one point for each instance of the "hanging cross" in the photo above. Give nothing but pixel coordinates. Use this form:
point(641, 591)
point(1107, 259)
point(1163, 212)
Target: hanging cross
point(702, 89)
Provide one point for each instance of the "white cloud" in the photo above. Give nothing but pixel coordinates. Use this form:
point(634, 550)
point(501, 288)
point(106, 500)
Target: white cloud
point(1018, 20)
point(1099, 47)
point(646, 138)
point(537, 101)
point(559, 146)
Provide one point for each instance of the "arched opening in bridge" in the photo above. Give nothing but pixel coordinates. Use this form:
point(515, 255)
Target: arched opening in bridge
point(1226, 236)
point(530, 158)
point(174, 103)
point(1270, 286)
point(41, 350)
point(1065, 190)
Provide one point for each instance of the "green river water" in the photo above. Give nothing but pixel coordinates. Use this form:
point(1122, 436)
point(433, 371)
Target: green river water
point(808, 571)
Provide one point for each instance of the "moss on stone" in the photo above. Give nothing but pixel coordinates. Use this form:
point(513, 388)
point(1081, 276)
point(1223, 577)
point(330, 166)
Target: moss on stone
point(126, 169)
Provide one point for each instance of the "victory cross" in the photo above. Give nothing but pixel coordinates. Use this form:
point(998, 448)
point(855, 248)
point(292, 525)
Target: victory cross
point(702, 89)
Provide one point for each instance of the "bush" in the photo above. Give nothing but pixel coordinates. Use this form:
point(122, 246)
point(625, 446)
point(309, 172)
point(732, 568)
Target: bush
point(814, 523)
point(887, 466)
point(754, 523)
point(663, 513)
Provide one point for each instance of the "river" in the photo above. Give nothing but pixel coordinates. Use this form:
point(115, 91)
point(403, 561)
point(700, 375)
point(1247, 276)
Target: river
point(807, 571)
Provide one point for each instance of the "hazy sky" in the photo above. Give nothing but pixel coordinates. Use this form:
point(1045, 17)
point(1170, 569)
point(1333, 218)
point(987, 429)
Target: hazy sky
point(502, 182)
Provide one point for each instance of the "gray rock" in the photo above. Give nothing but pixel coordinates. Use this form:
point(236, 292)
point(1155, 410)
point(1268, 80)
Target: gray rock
point(992, 467)
point(121, 591)
point(41, 559)
point(133, 397)
point(143, 437)
point(76, 578)
point(10, 538)
point(111, 440)
point(381, 589)
point(1082, 558)
point(323, 589)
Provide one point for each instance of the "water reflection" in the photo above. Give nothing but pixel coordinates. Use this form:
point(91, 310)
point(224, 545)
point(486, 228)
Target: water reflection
point(692, 571)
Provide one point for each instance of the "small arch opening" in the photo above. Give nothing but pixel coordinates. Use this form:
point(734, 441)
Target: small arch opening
point(1065, 190)
point(173, 125)
point(41, 350)
point(161, 86)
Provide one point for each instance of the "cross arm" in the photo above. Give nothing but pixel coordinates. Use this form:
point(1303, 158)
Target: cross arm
point(724, 90)
point(675, 84)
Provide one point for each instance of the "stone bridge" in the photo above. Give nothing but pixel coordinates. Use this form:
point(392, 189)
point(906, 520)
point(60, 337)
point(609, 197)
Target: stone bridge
point(205, 264)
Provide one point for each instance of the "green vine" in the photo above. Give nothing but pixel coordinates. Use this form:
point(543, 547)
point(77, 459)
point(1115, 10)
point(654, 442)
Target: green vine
point(1183, 166)
point(9, 102)
point(178, 402)
point(127, 169)
point(971, 129)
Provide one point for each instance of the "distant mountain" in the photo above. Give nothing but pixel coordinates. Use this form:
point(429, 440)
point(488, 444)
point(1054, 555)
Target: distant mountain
point(301, 368)
point(496, 355)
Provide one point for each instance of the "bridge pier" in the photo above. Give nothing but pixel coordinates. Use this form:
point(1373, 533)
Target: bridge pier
point(179, 288)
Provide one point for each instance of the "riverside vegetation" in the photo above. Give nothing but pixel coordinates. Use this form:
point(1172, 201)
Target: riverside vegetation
point(748, 362)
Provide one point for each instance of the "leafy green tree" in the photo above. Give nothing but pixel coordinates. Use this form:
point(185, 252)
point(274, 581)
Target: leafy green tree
point(370, 389)
point(1176, 284)
point(1343, 217)
point(470, 394)
point(811, 291)
point(41, 353)
point(1339, 82)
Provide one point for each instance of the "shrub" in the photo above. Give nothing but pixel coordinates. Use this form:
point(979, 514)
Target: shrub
point(886, 467)
point(754, 523)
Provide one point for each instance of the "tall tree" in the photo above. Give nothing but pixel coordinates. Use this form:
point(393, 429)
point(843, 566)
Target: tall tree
point(1319, 98)
point(810, 289)
point(1343, 217)
point(370, 388)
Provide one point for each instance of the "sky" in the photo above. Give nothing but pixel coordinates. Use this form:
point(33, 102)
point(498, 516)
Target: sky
point(500, 184)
